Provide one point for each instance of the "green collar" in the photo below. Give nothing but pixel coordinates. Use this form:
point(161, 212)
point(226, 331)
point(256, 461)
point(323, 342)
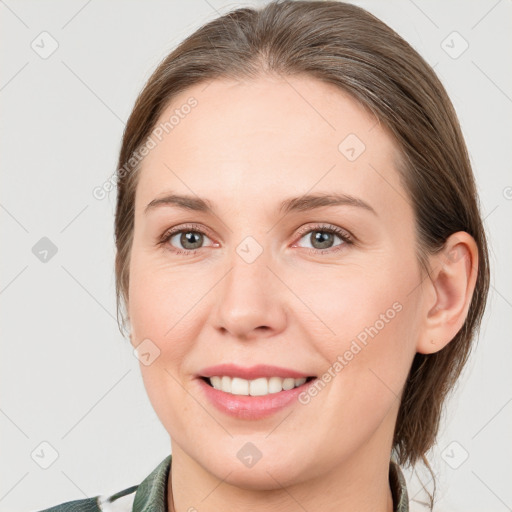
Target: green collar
point(398, 488)
point(151, 495)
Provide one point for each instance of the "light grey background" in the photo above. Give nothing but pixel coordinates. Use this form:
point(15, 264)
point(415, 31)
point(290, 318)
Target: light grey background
point(68, 378)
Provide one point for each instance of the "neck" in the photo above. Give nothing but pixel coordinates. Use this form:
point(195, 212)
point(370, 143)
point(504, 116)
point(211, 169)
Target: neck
point(356, 484)
point(359, 482)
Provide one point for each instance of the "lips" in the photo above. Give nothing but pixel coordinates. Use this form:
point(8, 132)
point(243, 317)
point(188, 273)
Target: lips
point(244, 404)
point(253, 372)
point(251, 407)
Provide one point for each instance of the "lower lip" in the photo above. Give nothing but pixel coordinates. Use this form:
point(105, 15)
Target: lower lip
point(252, 407)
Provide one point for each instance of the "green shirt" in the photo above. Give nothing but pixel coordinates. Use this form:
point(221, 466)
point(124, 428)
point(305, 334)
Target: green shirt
point(151, 494)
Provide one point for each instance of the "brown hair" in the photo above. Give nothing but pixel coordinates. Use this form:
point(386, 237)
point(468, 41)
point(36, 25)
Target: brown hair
point(345, 45)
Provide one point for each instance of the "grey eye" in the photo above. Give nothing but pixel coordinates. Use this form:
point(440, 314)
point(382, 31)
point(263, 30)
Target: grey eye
point(321, 238)
point(189, 239)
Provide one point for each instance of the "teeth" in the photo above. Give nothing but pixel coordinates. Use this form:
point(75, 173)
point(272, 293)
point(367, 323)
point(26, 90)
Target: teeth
point(256, 387)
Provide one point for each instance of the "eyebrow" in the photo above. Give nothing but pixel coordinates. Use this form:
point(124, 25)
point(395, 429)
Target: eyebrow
point(302, 203)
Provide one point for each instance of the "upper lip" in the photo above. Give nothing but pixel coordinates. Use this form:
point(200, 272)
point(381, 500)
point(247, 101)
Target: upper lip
point(251, 373)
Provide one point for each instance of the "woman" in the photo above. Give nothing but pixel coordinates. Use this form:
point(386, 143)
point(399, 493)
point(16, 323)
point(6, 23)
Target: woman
point(300, 259)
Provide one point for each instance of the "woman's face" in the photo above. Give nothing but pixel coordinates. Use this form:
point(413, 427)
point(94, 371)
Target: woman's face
point(261, 278)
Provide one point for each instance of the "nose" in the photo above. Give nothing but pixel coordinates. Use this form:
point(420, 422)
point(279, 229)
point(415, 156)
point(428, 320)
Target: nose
point(251, 299)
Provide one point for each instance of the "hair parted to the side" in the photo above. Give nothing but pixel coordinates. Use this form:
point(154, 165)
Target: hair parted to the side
point(344, 45)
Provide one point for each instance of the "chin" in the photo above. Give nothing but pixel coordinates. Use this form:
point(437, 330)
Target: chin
point(268, 473)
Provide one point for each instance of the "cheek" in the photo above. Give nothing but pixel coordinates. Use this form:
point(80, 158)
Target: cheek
point(349, 302)
point(366, 329)
point(161, 298)
point(163, 317)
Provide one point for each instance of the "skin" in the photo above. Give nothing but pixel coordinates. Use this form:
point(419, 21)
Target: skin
point(246, 147)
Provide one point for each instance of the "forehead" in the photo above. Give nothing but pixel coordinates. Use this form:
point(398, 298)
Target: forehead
point(247, 141)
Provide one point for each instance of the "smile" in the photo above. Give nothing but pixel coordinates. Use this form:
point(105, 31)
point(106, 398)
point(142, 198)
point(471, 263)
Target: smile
point(257, 387)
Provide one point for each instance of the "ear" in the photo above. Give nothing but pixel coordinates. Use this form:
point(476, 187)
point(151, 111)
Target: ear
point(448, 292)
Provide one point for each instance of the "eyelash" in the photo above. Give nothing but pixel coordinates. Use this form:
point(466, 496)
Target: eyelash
point(345, 236)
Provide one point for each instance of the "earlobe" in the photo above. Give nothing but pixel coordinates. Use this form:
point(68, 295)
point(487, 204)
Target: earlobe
point(450, 288)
